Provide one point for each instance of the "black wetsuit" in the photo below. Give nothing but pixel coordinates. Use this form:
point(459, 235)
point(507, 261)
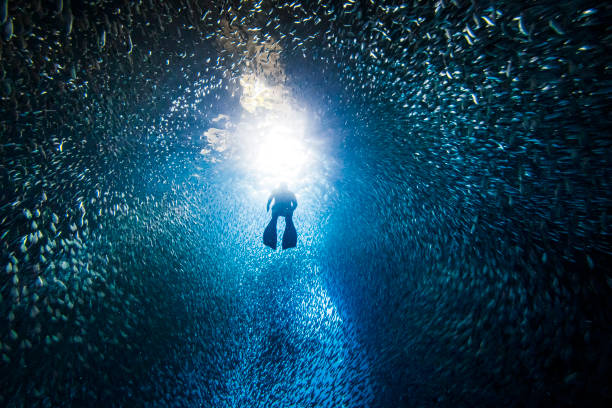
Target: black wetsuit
point(284, 205)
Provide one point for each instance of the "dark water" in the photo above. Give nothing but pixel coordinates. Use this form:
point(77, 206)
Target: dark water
point(452, 164)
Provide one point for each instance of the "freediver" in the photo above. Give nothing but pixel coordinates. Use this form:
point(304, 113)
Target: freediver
point(284, 205)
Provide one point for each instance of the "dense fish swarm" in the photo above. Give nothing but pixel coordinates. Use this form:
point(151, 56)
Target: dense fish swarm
point(454, 221)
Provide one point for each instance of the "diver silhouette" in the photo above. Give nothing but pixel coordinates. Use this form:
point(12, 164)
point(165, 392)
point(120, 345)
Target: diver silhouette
point(284, 205)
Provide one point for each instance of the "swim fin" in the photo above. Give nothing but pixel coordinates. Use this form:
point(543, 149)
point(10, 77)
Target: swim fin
point(269, 236)
point(290, 234)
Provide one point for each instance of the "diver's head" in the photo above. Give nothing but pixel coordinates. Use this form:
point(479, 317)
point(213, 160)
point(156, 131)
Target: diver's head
point(282, 185)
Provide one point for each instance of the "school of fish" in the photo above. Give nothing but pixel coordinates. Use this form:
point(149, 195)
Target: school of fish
point(454, 241)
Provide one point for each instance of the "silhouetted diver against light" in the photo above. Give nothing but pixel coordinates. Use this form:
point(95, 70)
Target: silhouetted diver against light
point(284, 205)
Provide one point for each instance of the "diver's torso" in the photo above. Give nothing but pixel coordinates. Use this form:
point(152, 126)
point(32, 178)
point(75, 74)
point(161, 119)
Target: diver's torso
point(283, 199)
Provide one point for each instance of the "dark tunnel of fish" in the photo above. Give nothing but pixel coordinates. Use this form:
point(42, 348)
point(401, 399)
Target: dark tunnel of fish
point(454, 222)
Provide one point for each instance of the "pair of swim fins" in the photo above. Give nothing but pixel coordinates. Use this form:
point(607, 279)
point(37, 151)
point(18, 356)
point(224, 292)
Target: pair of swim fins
point(289, 236)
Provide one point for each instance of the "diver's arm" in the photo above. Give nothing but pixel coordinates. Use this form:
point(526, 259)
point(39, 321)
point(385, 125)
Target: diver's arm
point(294, 203)
point(269, 201)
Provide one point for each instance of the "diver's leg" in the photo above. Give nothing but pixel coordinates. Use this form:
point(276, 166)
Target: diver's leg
point(269, 237)
point(290, 234)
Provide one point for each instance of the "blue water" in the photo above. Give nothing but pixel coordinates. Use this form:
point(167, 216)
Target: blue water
point(452, 168)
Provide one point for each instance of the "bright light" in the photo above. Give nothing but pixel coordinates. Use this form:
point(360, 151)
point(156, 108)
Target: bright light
point(272, 141)
point(280, 153)
point(274, 136)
